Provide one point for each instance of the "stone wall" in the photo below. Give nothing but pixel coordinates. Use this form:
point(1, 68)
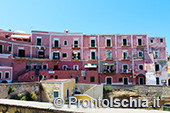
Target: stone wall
point(19, 88)
point(143, 90)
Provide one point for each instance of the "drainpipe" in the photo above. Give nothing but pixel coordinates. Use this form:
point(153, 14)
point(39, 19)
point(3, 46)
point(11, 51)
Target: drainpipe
point(116, 53)
point(132, 58)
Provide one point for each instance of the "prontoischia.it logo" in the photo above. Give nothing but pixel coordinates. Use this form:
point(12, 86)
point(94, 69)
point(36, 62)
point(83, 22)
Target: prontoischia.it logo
point(106, 103)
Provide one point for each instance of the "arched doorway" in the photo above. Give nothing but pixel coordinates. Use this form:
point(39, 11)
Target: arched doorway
point(169, 82)
point(141, 79)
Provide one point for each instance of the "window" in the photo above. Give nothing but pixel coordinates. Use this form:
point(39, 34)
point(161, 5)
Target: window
point(139, 41)
point(56, 77)
point(93, 41)
point(9, 48)
point(65, 42)
point(120, 79)
point(51, 76)
point(76, 55)
point(76, 67)
point(92, 79)
point(6, 74)
point(0, 75)
point(1, 48)
point(45, 77)
point(28, 67)
point(56, 55)
point(156, 55)
point(157, 80)
point(6, 36)
point(156, 67)
point(109, 67)
point(124, 42)
point(84, 78)
point(56, 43)
point(39, 41)
point(161, 40)
point(140, 54)
point(64, 67)
point(108, 42)
point(44, 66)
point(41, 54)
point(56, 94)
point(125, 67)
point(64, 55)
point(109, 54)
point(76, 42)
point(125, 55)
point(151, 41)
point(56, 67)
point(21, 53)
point(32, 77)
point(141, 67)
point(93, 55)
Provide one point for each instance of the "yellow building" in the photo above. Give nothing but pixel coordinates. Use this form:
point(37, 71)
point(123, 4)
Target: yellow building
point(53, 88)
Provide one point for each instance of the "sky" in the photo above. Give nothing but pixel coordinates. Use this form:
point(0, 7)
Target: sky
point(150, 17)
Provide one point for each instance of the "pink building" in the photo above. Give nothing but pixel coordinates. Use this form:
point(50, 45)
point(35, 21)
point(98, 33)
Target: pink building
point(101, 59)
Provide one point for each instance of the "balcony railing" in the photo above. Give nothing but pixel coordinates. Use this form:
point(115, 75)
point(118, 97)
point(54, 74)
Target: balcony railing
point(109, 71)
point(109, 58)
point(75, 46)
point(29, 56)
point(125, 71)
point(57, 46)
point(5, 52)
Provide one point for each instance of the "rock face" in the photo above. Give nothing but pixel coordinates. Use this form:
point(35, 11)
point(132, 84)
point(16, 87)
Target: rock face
point(125, 94)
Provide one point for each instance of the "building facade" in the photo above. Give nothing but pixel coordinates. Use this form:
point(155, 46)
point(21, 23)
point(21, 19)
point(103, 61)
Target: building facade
point(116, 59)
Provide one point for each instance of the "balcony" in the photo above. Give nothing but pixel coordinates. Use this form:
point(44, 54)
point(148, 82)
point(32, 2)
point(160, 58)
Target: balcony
point(126, 45)
point(75, 46)
point(125, 59)
point(141, 45)
point(28, 56)
point(124, 71)
point(109, 59)
point(5, 52)
point(109, 71)
point(56, 46)
point(108, 47)
point(92, 46)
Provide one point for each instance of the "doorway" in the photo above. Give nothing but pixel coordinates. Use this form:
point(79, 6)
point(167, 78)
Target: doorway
point(168, 82)
point(125, 81)
point(141, 81)
point(109, 80)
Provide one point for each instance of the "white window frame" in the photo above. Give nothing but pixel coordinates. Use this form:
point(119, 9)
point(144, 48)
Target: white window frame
point(20, 48)
point(32, 77)
point(1, 75)
point(140, 65)
point(66, 54)
point(75, 66)
point(55, 40)
point(38, 52)
point(123, 54)
point(155, 54)
point(63, 66)
point(8, 48)
point(109, 77)
point(76, 39)
point(110, 51)
point(123, 66)
point(56, 91)
point(64, 43)
point(38, 37)
point(43, 68)
point(141, 41)
point(5, 73)
point(159, 68)
point(126, 41)
point(91, 53)
point(92, 38)
point(139, 52)
point(162, 39)
point(55, 52)
point(110, 42)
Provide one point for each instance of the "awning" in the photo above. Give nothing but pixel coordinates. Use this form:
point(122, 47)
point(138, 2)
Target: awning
point(108, 64)
point(90, 65)
point(20, 36)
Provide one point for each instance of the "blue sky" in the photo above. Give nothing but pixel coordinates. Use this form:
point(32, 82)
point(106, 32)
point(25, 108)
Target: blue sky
point(150, 17)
